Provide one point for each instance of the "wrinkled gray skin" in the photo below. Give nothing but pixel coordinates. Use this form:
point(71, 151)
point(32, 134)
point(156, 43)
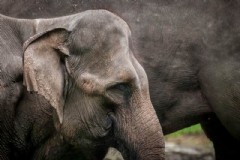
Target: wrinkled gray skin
point(70, 88)
point(190, 52)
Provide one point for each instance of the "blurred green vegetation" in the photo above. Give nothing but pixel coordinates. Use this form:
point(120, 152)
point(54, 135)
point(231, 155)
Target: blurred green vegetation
point(192, 130)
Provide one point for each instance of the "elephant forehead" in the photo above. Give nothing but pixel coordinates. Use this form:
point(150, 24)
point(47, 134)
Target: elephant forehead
point(102, 61)
point(102, 20)
point(94, 41)
point(104, 55)
point(107, 64)
point(99, 33)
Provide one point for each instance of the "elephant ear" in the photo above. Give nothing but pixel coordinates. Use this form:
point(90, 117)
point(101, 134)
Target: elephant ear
point(43, 68)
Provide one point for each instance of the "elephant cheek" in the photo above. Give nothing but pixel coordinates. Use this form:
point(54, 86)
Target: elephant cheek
point(139, 132)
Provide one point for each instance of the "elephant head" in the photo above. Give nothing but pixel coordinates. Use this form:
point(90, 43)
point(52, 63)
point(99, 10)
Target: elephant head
point(89, 74)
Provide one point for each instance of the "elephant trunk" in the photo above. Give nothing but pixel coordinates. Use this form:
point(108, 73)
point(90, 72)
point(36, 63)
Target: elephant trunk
point(139, 131)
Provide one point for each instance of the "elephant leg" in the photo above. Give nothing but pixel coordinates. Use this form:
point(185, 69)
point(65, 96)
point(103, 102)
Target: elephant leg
point(225, 146)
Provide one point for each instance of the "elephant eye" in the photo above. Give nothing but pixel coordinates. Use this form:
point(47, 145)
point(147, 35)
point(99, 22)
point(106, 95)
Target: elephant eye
point(119, 93)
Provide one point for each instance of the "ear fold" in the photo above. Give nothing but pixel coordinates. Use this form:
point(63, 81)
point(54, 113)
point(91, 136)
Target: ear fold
point(43, 71)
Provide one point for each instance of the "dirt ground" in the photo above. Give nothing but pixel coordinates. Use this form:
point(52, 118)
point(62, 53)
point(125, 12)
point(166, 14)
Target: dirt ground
point(198, 142)
point(189, 147)
point(195, 140)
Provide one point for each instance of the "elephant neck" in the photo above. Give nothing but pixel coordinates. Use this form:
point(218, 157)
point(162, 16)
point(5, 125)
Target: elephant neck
point(26, 29)
point(21, 29)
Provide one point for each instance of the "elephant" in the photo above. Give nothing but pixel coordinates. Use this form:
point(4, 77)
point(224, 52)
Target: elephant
point(190, 52)
point(70, 88)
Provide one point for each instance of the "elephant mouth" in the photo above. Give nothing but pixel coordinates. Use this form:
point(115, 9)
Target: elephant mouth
point(107, 139)
point(127, 152)
point(94, 149)
point(119, 144)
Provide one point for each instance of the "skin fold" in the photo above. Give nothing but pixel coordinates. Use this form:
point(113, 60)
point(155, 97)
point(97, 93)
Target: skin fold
point(58, 101)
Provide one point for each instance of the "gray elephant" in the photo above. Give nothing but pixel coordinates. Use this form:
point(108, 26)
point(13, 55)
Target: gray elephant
point(190, 52)
point(70, 88)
